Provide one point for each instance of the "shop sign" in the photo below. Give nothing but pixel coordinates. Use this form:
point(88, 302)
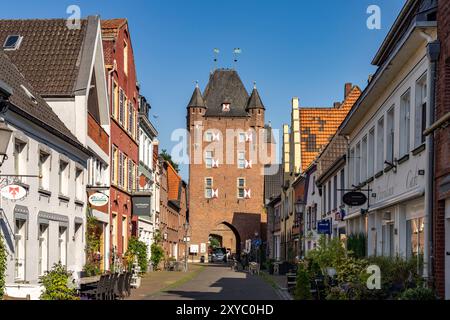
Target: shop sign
point(324, 227)
point(141, 205)
point(13, 192)
point(98, 199)
point(354, 198)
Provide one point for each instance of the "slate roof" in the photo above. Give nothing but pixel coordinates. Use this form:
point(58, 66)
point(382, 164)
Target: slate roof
point(38, 110)
point(225, 85)
point(49, 55)
point(197, 99)
point(318, 125)
point(255, 100)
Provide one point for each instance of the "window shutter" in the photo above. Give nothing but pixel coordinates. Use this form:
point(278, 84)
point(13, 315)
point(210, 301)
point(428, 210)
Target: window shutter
point(215, 163)
point(247, 193)
point(215, 193)
point(216, 136)
point(248, 137)
point(248, 164)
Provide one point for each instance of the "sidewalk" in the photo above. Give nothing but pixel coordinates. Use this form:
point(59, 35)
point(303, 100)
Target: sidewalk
point(157, 281)
point(279, 282)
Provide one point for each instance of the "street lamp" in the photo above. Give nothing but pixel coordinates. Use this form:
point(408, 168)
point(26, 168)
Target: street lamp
point(5, 132)
point(298, 210)
point(186, 239)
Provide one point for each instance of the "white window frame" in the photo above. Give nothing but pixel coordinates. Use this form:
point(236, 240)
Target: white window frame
point(241, 160)
point(421, 106)
point(209, 155)
point(380, 144)
point(390, 134)
point(405, 122)
point(208, 187)
point(240, 188)
point(371, 153)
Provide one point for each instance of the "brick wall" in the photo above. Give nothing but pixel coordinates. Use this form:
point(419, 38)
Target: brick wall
point(113, 50)
point(96, 133)
point(442, 143)
point(245, 215)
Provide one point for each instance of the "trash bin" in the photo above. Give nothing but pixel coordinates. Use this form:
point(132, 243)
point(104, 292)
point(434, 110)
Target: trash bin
point(202, 259)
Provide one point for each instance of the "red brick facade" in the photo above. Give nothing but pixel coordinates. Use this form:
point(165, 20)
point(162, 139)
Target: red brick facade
point(96, 133)
point(244, 216)
point(173, 212)
point(442, 149)
point(121, 77)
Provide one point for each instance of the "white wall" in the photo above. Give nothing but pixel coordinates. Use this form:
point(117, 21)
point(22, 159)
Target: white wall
point(36, 202)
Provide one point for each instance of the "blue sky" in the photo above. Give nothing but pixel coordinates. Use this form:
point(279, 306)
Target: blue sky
point(291, 48)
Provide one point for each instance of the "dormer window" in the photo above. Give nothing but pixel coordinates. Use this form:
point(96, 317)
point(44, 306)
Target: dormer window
point(225, 106)
point(12, 42)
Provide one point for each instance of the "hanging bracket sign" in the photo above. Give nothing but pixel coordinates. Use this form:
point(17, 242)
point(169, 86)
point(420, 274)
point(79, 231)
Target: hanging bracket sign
point(354, 198)
point(13, 192)
point(98, 199)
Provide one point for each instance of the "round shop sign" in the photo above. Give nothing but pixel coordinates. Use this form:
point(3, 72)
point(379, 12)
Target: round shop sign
point(13, 192)
point(354, 198)
point(98, 199)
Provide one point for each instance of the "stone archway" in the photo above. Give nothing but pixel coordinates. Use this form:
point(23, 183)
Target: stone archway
point(229, 235)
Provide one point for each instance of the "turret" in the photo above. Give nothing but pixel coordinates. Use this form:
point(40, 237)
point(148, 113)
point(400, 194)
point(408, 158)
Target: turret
point(196, 107)
point(256, 108)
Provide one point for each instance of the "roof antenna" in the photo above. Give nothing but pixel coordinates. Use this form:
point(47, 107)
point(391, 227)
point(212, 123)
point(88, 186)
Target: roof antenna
point(196, 83)
point(216, 54)
point(254, 84)
point(236, 51)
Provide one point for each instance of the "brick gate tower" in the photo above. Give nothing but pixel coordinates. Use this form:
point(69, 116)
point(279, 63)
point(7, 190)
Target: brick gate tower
point(228, 142)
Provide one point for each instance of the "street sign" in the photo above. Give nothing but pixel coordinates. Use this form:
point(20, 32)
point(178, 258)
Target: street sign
point(98, 199)
point(324, 227)
point(13, 192)
point(354, 198)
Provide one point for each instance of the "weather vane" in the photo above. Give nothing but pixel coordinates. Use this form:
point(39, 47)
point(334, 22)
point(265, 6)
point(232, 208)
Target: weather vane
point(236, 51)
point(216, 54)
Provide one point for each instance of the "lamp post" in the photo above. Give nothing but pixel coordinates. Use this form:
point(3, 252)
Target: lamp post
point(186, 240)
point(298, 211)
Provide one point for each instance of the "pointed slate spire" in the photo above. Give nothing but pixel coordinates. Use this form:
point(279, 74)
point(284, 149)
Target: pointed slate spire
point(197, 99)
point(255, 101)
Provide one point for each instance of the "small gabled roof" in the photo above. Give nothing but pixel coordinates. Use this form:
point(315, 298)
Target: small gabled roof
point(196, 99)
point(26, 102)
point(49, 55)
point(225, 86)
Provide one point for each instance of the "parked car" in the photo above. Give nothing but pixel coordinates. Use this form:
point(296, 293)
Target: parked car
point(218, 255)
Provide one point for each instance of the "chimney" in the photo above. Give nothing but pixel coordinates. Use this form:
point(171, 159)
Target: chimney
point(295, 103)
point(336, 105)
point(347, 89)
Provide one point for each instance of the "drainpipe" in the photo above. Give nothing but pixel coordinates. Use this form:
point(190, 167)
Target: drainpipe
point(433, 49)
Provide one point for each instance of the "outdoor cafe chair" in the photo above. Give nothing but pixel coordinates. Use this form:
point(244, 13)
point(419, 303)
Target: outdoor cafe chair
point(128, 284)
point(99, 292)
point(119, 288)
point(111, 283)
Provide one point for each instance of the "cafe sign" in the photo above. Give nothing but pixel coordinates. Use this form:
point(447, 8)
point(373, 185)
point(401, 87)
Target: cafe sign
point(13, 192)
point(141, 205)
point(354, 198)
point(98, 199)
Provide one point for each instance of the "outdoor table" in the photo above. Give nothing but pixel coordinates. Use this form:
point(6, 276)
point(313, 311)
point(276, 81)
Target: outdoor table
point(88, 280)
